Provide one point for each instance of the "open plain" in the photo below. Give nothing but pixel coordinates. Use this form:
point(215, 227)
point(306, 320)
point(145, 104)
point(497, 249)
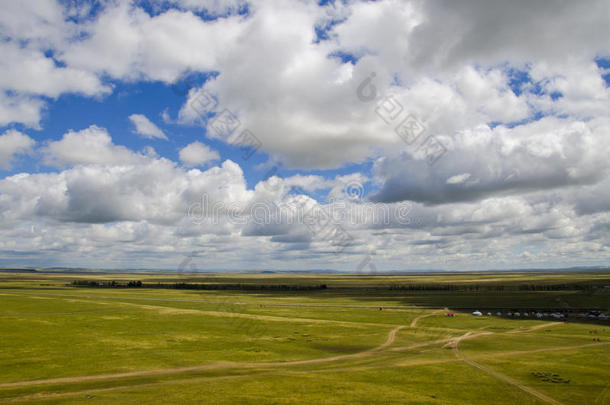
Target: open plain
point(70, 337)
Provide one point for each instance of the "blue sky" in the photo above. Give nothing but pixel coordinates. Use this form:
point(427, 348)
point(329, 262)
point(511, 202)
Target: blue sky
point(74, 112)
point(479, 149)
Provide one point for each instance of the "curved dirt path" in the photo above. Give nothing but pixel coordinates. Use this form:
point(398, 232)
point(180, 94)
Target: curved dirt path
point(67, 380)
point(263, 303)
point(415, 363)
point(453, 342)
point(499, 375)
point(417, 318)
point(537, 327)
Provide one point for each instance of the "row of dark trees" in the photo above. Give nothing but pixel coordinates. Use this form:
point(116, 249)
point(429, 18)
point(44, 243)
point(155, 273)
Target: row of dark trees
point(299, 287)
point(196, 286)
point(107, 284)
point(250, 287)
point(494, 287)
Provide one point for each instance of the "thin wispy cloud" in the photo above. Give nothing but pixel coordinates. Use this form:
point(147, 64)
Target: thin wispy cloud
point(146, 128)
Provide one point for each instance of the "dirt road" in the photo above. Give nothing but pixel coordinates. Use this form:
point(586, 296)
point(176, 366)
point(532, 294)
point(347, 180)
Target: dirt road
point(169, 371)
point(499, 375)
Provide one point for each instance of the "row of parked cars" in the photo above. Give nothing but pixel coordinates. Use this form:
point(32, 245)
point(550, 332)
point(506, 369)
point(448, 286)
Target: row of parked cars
point(554, 315)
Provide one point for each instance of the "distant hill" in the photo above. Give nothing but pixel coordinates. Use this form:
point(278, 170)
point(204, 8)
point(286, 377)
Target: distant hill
point(16, 270)
point(379, 272)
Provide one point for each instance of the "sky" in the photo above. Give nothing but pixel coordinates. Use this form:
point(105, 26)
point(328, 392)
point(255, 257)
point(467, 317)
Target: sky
point(292, 135)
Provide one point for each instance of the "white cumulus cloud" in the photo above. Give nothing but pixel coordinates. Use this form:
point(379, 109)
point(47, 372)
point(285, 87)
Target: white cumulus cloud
point(92, 145)
point(197, 154)
point(12, 143)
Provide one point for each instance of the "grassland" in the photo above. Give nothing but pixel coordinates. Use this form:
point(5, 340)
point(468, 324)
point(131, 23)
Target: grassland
point(65, 344)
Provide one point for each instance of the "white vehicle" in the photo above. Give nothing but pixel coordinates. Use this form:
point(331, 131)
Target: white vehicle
point(477, 313)
point(538, 315)
point(498, 313)
point(517, 314)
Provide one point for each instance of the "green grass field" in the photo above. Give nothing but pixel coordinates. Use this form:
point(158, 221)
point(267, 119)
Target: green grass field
point(66, 344)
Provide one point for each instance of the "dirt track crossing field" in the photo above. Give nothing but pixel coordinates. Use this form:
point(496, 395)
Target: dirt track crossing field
point(410, 345)
point(388, 342)
point(391, 337)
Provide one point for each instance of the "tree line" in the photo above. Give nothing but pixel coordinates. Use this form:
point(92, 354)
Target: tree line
point(494, 287)
point(195, 286)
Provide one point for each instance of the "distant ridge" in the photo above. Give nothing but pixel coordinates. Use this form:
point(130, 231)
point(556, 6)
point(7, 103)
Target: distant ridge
point(16, 270)
point(311, 271)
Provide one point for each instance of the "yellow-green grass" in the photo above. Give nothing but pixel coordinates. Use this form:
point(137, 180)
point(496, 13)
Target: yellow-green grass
point(451, 383)
point(581, 373)
point(78, 337)
point(61, 344)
